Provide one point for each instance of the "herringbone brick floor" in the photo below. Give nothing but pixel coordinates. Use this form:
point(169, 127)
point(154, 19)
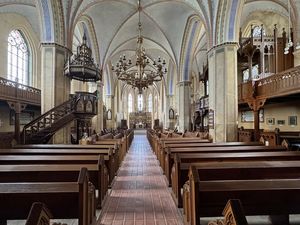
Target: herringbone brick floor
point(140, 195)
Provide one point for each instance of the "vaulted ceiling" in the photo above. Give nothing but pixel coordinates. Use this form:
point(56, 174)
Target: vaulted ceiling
point(112, 24)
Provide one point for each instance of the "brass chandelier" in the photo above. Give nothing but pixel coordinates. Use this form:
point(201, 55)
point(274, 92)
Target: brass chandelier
point(144, 73)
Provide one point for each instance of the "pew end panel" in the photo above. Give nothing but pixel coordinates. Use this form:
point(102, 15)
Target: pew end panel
point(193, 208)
point(103, 180)
point(83, 182)
point(39, 215)
point(175, 181)
point(66, 200)
point(275, 197)
point(233, 214)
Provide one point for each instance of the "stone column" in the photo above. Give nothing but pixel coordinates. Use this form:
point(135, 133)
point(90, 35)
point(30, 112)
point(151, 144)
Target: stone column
point(223, 94)
point(110, 105)
point(98, 120)
point(55, 86)
point(184, 105)
point(297, 57)
point(168, 105)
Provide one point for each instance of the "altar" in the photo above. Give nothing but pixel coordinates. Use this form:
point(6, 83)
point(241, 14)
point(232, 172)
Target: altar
point(140, 125)
point(140, 120)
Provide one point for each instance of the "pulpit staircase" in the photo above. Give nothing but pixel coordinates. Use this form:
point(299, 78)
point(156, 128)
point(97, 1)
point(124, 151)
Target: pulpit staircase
point(40, 130)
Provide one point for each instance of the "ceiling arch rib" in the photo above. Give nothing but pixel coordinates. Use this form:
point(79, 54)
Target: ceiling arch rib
point(92, 34)
point(83, 6)
point(170, 19)
point(192, 4)
point(128, 33)
point(189, 43)
point(152, 48)
point(279, 7)
point(18, 2)
point(110, 17)
point(26, 9)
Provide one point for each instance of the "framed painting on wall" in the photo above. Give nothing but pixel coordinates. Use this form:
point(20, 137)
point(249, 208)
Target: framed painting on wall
point(293, 120)
point(171, 114)
point(270, 121)
point(109, 115)
point(247, 116)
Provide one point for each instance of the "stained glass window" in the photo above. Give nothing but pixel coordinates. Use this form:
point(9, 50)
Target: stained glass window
point(18, 58)
point(129, 103)
point(140, 102)
point(150, 103)
point(257, 31)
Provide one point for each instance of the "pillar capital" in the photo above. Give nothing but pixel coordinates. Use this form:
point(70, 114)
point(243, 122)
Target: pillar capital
point(110, 96)
point(221, 47)
point(184, 83)
point(56, 46)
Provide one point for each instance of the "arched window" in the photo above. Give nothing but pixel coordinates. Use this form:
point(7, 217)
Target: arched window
point(150, 103)
point(140, 102)
point(18, 58)
point(257, 31)
point(129, 103)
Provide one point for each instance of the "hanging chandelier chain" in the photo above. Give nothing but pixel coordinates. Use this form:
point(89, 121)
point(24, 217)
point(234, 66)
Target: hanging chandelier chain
point(142, 75)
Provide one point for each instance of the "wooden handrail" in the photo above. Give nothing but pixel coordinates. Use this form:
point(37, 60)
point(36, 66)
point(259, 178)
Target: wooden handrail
point(47, 119)
point(14, 84)
point(80, 104)
point(280, 84)
point(14, 91)
point(286, 82)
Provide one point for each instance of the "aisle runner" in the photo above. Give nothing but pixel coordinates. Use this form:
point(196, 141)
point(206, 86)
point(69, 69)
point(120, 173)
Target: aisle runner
point(140, 194)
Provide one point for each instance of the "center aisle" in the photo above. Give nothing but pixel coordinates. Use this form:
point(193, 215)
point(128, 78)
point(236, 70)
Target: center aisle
point(139, 194)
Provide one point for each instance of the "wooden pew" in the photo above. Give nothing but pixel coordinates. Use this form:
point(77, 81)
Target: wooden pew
point(50, 159)
point(183, 143)
point(194, 144)
point(64, 199)
point(233, 214)
point(120, 144)
point(259, 197)
point(227, 148)
point(107, 144)
point(163, 142)
point(129, 134)
point(39, 215)
point(64, 146)
point(151, 138)
point(231, 171)
point(109, 156)
point(98, 174)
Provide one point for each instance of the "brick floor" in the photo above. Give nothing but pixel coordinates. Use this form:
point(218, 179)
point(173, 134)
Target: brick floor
point(139, 194)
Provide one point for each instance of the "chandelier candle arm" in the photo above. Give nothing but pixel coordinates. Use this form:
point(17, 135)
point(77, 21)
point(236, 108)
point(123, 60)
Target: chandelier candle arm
point(142, 75)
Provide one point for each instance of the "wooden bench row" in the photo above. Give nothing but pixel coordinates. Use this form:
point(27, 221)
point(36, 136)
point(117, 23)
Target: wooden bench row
point(217, 167)
point(229, 147)
point(157, 142)
point(260, 197)
point(219, 171)
point(57, 167)
point(74, 199)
